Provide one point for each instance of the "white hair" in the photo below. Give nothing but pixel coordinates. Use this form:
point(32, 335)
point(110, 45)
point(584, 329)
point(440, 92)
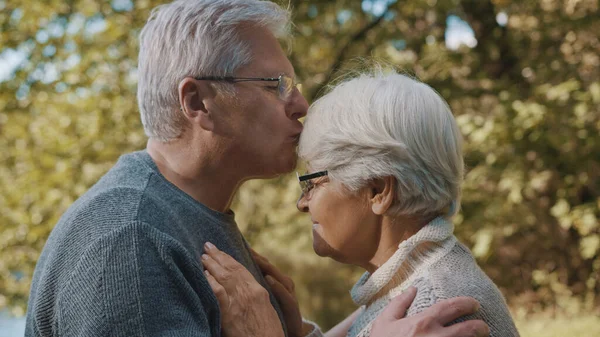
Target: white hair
point(192, 38)
point(378, 125)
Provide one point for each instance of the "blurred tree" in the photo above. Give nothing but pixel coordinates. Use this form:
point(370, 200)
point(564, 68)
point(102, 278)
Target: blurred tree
point(525, 90)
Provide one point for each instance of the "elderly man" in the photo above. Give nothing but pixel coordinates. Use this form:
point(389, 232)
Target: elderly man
point(219, 105)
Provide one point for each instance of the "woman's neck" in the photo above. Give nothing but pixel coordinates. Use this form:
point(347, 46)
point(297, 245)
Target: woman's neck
point(393, 232)
point(418, 251)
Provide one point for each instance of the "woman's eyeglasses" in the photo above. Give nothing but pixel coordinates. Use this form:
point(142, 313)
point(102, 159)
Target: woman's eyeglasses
point(306, 181)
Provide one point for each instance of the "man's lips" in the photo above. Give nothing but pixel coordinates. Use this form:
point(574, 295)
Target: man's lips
point(295, 138)
point(297, 131)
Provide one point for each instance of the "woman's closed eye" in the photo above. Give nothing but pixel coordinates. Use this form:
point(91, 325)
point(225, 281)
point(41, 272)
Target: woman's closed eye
point(311, 184)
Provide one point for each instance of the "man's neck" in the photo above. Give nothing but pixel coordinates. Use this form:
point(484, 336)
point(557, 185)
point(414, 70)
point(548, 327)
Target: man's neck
point(201, 175)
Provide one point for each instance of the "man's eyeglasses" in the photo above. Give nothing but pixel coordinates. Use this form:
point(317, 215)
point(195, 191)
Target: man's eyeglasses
point(285, 84)
point(306, 181)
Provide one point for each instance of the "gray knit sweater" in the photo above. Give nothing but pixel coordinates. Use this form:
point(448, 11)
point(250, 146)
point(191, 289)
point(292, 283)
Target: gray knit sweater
point(124, 260)
point(439, 267)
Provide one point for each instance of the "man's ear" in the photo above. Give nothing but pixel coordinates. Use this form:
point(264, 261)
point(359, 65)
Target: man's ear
point(383, 193)
point(194, 97)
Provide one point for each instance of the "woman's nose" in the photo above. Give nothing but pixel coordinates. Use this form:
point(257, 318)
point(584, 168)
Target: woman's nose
point(302, 203)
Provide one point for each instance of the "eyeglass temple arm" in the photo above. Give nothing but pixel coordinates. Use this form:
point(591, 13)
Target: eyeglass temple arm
point(311, 176)
point(235, 79)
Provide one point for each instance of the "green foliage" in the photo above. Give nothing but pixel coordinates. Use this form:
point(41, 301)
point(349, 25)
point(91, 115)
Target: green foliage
point(526, 97)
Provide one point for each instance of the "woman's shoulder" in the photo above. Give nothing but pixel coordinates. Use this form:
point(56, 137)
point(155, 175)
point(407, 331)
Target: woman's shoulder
point(457, 274)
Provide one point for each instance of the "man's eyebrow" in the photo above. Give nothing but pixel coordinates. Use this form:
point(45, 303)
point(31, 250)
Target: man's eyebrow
point(283, 72)
point(292, 75)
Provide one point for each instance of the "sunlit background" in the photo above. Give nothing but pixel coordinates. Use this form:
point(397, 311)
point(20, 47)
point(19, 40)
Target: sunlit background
point(522, 77)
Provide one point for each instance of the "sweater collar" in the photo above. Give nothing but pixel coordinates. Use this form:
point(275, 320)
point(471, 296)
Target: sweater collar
point(420, 249)
point(227, 218)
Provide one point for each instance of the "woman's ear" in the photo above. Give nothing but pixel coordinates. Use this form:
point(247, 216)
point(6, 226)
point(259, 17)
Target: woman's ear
point(194, 97)
point(383, 191)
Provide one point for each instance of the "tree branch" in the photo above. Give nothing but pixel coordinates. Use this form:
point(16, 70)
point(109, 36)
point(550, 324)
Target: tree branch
point(482, 18)
point(340, 56)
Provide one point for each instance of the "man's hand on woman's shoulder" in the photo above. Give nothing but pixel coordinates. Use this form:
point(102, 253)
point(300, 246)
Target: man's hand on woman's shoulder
point(246, 309)
point(431, 322)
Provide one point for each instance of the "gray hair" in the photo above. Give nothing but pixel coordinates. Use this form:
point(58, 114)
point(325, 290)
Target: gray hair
point(378, 125)
point(194, 38)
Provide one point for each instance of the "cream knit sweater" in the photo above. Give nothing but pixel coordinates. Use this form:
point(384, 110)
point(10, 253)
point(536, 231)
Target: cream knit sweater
point(439, 267)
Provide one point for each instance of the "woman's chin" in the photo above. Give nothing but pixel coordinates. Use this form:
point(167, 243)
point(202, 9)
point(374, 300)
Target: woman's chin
point(320, 246)
point(319, 251)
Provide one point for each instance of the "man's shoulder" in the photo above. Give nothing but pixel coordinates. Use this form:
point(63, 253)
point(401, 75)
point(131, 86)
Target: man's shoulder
point(134, 194)
point(127, 274)
point(116, 197)
point(112, 202)
point(130, 173)
point(103, 206)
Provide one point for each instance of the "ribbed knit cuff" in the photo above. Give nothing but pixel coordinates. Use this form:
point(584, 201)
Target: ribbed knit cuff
point(316, 331)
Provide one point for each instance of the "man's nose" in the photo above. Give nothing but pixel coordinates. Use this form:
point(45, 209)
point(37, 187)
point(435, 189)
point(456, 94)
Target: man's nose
point(297, 107)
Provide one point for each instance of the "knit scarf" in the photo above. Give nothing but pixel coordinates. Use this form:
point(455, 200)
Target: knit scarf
point(430, 243)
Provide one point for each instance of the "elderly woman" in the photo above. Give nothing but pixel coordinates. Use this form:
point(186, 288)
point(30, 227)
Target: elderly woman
point(385, 172)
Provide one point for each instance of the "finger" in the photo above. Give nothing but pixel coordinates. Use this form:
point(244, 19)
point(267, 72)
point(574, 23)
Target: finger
point(261, 260)
point(220, 292)
point(473, 328)
point(448, 310)
point(215, 269)
point(269, 269)
point(398, 306)
point(285, 299)
point(255, 254)
point(224, 259)
point(263, 263)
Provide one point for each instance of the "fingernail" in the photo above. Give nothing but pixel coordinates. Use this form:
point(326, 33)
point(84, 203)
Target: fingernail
point(209, 246)
point(484, 332)
point(270, 280)
point(206, 272)
point(205, 257)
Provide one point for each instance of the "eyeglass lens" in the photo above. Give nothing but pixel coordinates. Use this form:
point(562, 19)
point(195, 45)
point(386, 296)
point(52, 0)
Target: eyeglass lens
point(286, 85)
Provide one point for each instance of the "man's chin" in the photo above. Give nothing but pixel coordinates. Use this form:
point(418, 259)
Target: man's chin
point(292, 164)
point(285, 165)
point(275, 168)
